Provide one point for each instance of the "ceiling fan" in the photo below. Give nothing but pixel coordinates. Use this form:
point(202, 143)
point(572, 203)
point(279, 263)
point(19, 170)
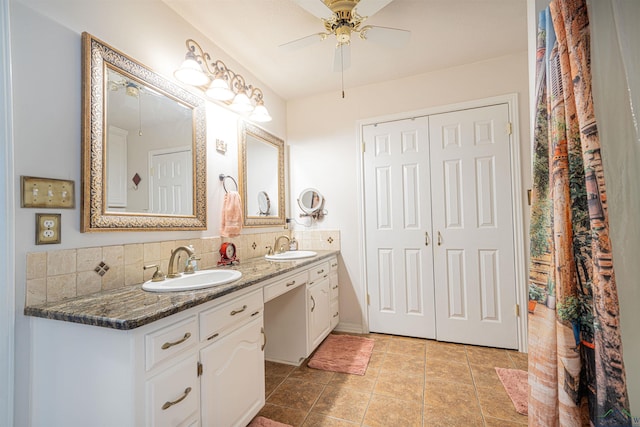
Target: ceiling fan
point(344, 19)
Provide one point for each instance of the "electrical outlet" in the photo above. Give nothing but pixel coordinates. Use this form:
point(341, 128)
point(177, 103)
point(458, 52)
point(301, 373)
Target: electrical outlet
point(47, 229)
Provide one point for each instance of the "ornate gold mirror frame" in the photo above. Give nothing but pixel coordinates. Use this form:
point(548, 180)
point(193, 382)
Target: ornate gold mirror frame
point(97, 58)
point(259, 170)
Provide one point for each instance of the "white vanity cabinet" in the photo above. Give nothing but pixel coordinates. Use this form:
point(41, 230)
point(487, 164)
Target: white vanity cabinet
point(200, 367)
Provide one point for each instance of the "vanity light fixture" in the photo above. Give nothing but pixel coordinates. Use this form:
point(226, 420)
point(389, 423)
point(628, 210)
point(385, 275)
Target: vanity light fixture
point(220, 83)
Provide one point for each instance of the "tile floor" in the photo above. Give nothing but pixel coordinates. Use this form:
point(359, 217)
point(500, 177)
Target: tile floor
point(409, 382)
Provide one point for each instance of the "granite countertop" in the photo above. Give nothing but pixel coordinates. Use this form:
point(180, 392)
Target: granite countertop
point(132, 307)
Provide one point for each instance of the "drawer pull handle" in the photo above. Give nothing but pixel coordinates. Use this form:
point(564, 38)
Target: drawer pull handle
point(335, 315)
point(213, 336)
point(264, 335)
point(168, 405)
point(335, 287)
point(255, 314)
point(334, 265)
point(291, 283)
point(314, 304)
point(320, 271)
point(234, 312)
point(180, 341)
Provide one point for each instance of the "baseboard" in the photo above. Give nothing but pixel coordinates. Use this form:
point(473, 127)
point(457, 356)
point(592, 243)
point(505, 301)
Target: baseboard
point(354, 328)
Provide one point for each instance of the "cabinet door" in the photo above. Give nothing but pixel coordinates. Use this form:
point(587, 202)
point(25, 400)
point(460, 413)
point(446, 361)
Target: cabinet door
point(318, 304)
point(172, 396)
point(232, 381)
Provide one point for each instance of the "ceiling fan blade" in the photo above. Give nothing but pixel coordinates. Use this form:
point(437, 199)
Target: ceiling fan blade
point(391, 37)
point(316, 8)
point(342, 58)
point(303, 42)
point(368, 8)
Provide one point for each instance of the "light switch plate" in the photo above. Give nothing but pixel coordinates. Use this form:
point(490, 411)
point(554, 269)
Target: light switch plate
point(47, 228)
point(46, 193)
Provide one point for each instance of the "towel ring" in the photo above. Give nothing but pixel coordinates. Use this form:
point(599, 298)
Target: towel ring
point(223, 178)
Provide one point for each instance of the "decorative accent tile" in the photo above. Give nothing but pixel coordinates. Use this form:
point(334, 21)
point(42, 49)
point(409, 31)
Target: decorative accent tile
point(101, 269)
point(330, 240)
point(254, 246)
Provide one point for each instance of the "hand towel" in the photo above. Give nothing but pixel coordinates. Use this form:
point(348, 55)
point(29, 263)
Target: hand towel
point(231, 215)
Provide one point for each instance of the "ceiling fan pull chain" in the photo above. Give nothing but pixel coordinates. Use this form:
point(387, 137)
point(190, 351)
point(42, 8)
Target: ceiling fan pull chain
point(342, 68)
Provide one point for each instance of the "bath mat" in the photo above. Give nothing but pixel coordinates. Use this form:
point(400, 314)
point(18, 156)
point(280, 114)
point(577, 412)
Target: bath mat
point(515, 382)
point(266, 422)
point(343, 353)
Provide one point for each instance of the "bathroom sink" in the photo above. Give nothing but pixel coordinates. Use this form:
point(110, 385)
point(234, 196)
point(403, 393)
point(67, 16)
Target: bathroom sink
point(198, 280)
point(291, 255)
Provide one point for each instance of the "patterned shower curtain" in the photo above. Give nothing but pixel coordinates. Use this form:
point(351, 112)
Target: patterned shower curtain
point(576, 371)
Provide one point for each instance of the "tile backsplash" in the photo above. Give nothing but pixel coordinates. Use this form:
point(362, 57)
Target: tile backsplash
point(57, 275)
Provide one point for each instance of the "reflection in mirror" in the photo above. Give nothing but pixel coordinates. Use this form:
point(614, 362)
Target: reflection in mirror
point(264, 204)
point(312, 203)
point(146, 133)
point(261, 177)
point(138, 126)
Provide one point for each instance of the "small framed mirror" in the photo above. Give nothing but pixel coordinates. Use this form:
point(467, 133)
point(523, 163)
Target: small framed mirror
point(311, 202)
point(264, 203)
point(261, 165)
point(137, 124)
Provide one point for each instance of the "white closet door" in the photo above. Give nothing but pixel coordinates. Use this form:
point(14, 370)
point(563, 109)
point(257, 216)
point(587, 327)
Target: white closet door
point(170, 189)
point(397, 218)
point(472, 219)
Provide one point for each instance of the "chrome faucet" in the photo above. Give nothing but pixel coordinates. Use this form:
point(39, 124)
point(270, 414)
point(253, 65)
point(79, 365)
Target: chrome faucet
point(280, 249)
point(173, 271)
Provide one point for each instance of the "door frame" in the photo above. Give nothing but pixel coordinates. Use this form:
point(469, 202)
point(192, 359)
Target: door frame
point(517, 194)
point(7, 224)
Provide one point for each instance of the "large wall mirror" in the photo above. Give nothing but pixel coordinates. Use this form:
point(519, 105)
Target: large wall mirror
point(144, 147)
point(261, 164)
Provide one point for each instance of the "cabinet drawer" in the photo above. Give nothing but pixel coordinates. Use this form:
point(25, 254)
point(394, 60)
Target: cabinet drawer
point(217, 319)
point(285, 285)
point(335, 313)
point(173, 396)
point(333, 264)
point(318, 272)
point(169, 341)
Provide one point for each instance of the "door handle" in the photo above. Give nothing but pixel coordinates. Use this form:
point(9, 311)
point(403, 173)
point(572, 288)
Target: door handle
point(314, 304)
point(264, 335)
point(426, 238)
point(439, 239)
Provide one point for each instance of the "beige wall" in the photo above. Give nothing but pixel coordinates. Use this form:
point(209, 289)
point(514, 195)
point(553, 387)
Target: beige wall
point(324, 149)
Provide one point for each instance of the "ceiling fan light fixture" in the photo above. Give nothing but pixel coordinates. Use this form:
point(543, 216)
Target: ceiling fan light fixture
point(190, 72)
point(343, 34)
point(219, 90)
point(241, 103)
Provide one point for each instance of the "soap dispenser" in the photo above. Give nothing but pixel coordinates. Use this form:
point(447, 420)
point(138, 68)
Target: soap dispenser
point(293, 244)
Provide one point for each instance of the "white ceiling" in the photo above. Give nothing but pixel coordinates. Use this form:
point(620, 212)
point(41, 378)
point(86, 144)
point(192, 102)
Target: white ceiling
point(444, 34)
